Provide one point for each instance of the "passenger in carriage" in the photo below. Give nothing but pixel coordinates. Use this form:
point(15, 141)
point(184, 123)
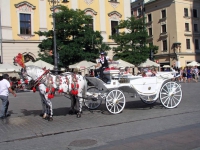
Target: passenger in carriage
point(127, 70)
point(153, 72)
point(144, 74)
point(103, 62)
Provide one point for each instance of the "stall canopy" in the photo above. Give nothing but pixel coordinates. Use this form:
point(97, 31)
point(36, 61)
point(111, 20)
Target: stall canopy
point(29, 63)
point(149, 63)
point(43, 64)
point(193, 63)
point(124, 63)
point(83, 65)
point(166, 66)
point(6, 68)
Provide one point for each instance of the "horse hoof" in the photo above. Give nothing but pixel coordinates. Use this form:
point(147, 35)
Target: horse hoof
point(78, 115)
point(50, 119)
point(44, 116)
point(71, 112)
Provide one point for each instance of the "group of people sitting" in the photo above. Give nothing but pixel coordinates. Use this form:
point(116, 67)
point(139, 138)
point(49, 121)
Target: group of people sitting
point(102, 63)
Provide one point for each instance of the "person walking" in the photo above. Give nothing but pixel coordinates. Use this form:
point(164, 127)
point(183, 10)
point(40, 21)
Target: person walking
point(4, 92)
point(189, 74)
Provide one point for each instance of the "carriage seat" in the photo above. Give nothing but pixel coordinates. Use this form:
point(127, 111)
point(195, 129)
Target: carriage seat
point(109, 72)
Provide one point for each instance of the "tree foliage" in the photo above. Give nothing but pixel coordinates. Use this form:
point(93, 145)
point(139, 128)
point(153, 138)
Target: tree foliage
point(75, 40)
point(132, 44)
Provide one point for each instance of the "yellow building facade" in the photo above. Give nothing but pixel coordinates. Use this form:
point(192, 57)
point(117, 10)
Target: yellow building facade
point(173, 26)
point(20, 19)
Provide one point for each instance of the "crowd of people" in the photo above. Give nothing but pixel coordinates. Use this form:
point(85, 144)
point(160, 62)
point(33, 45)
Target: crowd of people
point(188, 74)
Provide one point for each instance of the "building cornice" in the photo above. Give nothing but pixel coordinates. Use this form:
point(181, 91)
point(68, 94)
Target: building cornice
point(21, 41)
point(24, 3)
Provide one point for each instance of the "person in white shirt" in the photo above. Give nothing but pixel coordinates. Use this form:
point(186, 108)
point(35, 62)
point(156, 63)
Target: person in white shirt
point(196, 71)
point(4, 92)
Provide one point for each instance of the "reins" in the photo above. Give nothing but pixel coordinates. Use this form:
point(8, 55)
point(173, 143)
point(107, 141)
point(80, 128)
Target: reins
point(40, 78)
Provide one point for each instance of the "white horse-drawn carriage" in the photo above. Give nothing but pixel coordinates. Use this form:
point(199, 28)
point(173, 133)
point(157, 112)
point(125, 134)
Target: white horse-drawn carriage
point(149, 89)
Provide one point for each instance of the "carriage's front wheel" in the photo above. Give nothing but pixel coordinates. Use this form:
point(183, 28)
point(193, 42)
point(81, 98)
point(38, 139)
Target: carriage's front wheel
point(94, 100)
point(170, 94)
point(115, 101)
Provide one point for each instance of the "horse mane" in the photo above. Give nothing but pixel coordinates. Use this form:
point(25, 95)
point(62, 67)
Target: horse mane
point(32, 71)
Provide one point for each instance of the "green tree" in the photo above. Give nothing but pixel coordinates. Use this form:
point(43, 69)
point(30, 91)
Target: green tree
point(132, 44)
point(75, 39)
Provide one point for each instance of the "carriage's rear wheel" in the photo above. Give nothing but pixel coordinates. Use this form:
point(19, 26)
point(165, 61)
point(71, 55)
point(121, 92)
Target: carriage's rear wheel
point(94, 101)
point(171, 94)
point(115, 101)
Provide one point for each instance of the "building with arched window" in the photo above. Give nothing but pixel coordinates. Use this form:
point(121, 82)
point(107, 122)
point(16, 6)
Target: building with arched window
point(20, 19)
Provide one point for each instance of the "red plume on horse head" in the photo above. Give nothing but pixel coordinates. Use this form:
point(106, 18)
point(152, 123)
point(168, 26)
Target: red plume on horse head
point(20, 60)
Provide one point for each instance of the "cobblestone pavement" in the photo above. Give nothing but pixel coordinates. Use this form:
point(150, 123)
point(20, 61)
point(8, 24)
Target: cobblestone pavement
point(139, 126)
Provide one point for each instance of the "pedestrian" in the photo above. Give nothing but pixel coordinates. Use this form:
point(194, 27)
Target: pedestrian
point(189, 74)
point(4, 92)
point(184, 74)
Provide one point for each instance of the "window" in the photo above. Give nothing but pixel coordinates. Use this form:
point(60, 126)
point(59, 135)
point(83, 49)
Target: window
point(25, 23)
point(90, 24)
point(186, 26)
point(149, 18)
point(113, 27)
point(150, 31)
point(113, 0)
point(163, 13)
point(164, 45)
point(196, 44)
point(188, 43)
point(164, 28)
point(194, 13)
point(139, 12)
point(195, 27)
point(185, 12)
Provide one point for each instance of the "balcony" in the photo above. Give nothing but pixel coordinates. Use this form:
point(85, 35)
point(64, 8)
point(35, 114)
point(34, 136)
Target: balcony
point(163, 34)
point(187, 17)
point(188, 33)
point(196, 33)
point(149, 23)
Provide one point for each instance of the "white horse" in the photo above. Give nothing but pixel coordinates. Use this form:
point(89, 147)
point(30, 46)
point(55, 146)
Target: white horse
point(71, 83)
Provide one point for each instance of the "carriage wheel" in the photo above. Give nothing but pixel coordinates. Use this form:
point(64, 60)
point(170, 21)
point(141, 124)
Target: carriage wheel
point(115, 101)
point(170, 94)
point(93, 102)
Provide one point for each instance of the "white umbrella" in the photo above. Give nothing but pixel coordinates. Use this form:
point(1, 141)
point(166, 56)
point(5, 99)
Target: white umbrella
point(29, 63)
point(6, 67)
point(83, 65)
point(193, 63)
point(149, 63)
point(43, 64)
point(166, 66)
point(123, 63)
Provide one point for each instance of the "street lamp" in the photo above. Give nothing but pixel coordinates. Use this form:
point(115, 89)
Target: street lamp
point(54, 3)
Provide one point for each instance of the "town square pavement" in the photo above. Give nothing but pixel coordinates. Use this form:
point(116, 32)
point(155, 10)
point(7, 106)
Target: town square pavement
point(138, 127)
